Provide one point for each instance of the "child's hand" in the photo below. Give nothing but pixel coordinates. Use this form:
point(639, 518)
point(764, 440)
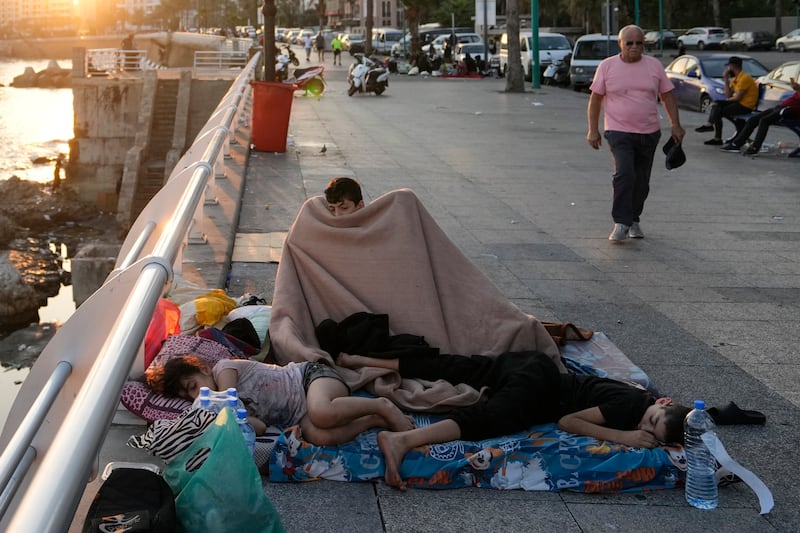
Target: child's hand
point(258, 425)
point(639, 438)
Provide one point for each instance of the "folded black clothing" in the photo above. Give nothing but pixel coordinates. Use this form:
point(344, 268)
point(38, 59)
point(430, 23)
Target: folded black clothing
point(732, 414)
point(368, 334)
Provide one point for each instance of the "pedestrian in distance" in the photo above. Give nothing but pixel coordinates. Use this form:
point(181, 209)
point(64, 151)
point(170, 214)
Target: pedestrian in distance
point(741, 96)
point(60, 160)
point(763, 120)
point(336, 46)
point(307, 42)
point(628, 86)
point(320, 45)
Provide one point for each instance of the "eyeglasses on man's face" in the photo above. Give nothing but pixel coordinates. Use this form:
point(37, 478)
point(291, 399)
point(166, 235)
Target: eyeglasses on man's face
point(631, 43)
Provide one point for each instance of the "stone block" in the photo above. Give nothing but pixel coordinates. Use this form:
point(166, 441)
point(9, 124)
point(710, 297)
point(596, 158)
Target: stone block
point(90, 268)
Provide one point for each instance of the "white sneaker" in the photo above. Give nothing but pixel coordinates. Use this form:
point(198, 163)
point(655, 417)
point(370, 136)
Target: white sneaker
point(620, 232)
point(635, 232)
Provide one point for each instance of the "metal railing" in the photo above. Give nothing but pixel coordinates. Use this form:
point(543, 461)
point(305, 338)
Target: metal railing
point(105, 60)
point(219, 60)
point(64, 408)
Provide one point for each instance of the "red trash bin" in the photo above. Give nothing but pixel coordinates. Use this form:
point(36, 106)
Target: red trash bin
point(272, 106)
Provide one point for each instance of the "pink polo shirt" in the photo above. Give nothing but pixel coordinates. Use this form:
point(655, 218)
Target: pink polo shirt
point(630, 93)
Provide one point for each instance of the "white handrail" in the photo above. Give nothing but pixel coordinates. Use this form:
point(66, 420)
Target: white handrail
point(63, 410)
point(219, 60)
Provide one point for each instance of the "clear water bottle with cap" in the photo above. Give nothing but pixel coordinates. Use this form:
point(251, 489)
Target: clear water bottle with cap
point(247, 430)
point(216, 400)
point(203, 399)
point(701, 481)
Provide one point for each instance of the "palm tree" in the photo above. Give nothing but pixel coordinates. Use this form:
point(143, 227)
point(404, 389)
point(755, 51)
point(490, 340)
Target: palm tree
point(415, 10)
point(515, 82)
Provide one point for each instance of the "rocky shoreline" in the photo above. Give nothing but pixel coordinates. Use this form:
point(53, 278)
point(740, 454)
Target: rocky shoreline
point(52, 77)
point(34, 220)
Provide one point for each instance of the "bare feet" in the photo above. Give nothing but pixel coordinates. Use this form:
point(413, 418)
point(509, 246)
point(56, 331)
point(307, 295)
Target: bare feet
point(393, 453)
point(396, 420)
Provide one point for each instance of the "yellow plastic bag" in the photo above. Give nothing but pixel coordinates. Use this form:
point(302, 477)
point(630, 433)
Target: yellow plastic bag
point(213, 306)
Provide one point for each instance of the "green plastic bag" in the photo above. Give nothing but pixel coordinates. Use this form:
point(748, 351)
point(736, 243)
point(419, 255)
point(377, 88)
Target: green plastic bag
point(224, 494)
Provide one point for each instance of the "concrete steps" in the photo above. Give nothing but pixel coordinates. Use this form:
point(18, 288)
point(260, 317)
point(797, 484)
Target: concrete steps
point(152, 177)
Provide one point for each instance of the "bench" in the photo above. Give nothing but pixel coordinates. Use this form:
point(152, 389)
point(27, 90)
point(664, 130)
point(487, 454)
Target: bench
point(792, 124)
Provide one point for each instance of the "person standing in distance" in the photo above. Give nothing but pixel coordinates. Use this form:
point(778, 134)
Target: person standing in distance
point(627, 86)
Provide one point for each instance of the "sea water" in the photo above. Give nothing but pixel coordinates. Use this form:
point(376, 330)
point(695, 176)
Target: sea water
point(34, 123)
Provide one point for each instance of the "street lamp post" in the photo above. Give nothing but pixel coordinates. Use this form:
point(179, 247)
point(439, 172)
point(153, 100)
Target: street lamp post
point(269, 11)
point(535, 81)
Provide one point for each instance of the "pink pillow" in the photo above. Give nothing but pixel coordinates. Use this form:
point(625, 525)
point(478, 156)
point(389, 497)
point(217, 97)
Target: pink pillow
point(140, 400)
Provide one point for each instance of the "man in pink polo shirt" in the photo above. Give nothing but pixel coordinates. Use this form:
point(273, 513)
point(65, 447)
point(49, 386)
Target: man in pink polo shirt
point(627, 86)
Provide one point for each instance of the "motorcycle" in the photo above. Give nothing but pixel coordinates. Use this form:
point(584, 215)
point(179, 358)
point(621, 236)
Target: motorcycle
point(367, 76)
point(557, 72)
point(308, 79)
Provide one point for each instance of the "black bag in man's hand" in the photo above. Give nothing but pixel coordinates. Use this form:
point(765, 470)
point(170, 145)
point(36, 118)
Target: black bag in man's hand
point(132, 500)
point(674, 152)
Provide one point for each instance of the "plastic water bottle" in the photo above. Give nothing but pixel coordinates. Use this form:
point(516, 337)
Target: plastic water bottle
point(701, 482)
point(204, 399)
point(217, 400)
point(247, 430)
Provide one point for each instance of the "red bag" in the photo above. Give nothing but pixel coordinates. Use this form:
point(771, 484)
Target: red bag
point(166, 321)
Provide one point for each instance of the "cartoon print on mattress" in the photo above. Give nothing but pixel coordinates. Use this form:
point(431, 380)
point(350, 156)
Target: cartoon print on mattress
point(542, 458)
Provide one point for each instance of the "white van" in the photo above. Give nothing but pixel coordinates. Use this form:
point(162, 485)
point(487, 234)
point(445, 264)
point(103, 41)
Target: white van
point(384, 38)
point(590, 50)
point(552, 46)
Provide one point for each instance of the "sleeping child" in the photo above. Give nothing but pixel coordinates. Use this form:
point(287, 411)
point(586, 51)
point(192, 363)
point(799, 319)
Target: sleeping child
point(310, 394)
point(526, 388)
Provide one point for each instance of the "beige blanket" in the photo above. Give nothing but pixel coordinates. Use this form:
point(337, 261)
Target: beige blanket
point(391, 257)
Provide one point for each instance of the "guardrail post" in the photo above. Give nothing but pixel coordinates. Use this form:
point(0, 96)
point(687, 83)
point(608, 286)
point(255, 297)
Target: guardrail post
point(196, 233)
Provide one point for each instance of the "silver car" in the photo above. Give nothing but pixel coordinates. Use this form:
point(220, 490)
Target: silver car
point(790, 41)
point(703, 37)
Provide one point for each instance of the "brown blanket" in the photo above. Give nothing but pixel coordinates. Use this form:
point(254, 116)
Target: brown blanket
point(391, 257)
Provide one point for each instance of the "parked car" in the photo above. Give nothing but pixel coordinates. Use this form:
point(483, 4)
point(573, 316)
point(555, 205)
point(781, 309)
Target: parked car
point(461, 38)
point(589, 51)
point(384, 38)
point(748, 40)
point(790, 41)
point(552, 47)
point(354, 43)
point(473, 49)
point(776, 84)
point(653, 39)
point(290, 35)
point(402, 46)
point(703, 37)
point(698, 79)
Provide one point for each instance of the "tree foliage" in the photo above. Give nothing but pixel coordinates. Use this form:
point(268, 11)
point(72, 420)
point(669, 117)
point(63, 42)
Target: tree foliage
point(444, 12)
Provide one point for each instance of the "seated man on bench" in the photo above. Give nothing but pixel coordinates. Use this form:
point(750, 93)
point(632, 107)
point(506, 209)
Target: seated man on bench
point(763, 120)
point(741, 96)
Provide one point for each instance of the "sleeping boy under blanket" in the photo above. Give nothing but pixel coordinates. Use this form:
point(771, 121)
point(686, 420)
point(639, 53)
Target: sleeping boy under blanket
point(526, 389)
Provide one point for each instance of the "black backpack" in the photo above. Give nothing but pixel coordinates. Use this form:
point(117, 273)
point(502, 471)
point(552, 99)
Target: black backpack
point(320, 42)
point(132, 500)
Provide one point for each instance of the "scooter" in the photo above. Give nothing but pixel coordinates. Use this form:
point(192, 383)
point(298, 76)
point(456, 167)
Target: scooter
point(367, 76)
point(557, 72)
point(308, 79)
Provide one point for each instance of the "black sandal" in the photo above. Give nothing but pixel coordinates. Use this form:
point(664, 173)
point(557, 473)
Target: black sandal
point(731, 415)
